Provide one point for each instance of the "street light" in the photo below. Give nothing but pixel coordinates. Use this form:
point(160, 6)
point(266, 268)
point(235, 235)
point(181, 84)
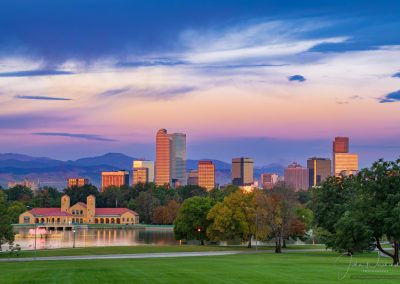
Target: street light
point(73, 245)
point(35, 226)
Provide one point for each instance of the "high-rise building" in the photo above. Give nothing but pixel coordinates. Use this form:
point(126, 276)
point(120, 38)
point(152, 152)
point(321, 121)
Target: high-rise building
point(140, 175)
point(77, 182)
point(117, 178)
point(341, 145)
point(345, 164)
point(145, 164)
point(242, 171)
point(206, 174)
point(297, 177)
point(163, 157)
point(178, 157)
point(193, 178)
point(170, 158)
point(269, 180)
point(319, 170)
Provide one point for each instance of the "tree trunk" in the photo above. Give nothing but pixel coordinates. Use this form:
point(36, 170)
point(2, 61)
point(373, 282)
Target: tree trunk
point(278, 247)
point(396, 246)
point(202, 242)
point(394, 256)
point(249, 243)
point(284, 243)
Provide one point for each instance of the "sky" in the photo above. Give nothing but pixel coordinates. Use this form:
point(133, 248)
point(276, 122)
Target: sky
point(273, 80)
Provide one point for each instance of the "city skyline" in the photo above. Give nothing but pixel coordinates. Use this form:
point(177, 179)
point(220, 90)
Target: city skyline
point(273, 81)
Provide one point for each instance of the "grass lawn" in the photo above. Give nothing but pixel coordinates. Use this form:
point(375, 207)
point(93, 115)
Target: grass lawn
point(294, 267)
point(140, 249)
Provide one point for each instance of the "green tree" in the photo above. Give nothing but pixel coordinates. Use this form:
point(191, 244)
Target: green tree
point(47, 197)
point(362, 209)
point(187, 191)
point(112, 197)
point(234, 218)
point(6, 229)
point(144, 205)
point(191, 222)
point(15, 209)
point(79, 194)
point(19, 193)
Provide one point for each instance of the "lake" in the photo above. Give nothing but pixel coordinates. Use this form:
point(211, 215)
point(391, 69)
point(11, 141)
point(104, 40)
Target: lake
point(87, 237)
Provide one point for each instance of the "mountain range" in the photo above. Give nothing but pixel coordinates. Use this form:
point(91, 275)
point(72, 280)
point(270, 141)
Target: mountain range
point(51, 172)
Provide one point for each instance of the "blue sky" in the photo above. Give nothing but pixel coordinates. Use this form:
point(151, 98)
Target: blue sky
point(103, 76)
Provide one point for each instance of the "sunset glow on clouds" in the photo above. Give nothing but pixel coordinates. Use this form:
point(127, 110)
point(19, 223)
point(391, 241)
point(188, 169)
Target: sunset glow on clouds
point(221, 80)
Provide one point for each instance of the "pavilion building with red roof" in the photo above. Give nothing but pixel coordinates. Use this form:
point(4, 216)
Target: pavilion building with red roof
point(79, 213)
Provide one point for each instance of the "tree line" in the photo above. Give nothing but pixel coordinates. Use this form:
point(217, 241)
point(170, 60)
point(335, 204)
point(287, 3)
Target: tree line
point(275, 214)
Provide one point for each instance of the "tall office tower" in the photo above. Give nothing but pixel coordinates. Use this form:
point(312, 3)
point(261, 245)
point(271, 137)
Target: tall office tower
point(178, 157)
point(268, 180)
point(319, 170)
point(193, 178)
point(145, 164)
point(117, 178)
point(345, 164)
point(297, 177)
point(242, 171)
point(140, 175)
point(163, 157)
point(77, 182)
point(206, 174)
point(170, 158)
point(341, 145)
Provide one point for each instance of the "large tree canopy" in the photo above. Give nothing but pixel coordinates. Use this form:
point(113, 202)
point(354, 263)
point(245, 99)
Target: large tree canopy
point(358, 211)
point(192, 222)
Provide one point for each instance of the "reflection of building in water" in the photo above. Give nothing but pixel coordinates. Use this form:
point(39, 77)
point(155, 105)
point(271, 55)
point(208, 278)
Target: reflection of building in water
point(80, 213)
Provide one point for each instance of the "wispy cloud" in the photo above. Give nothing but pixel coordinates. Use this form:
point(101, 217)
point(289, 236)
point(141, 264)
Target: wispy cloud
point(114, 92)
point(391, 97)
point(30, 73)
point(29, 121)
point(298, 78)
point(151, 62)
point(41, 98)
point(76, 135)
point(160, 93)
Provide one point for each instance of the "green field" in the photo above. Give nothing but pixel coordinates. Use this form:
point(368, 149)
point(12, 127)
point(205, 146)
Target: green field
point(294, 267)
point(140, 249)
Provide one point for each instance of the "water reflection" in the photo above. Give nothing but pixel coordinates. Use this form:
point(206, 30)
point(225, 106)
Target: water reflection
point(46, 239)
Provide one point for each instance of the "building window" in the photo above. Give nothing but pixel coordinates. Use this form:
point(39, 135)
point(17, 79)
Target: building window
point(123, 219)
point(81, 212)
point(27, 220)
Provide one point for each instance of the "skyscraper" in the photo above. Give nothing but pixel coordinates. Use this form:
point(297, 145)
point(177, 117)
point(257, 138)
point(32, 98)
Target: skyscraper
point(170, 158)
point(163, 157)
point(242, 171)
point(178, 157)
point(117, 178)
point(145, 164)
point(206, 174)
point(297, 177)
point(319, 170)
point(341, 145)
point(344, 163)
